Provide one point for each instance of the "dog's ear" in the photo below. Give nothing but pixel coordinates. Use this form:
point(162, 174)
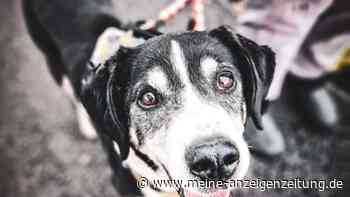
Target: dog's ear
point(257, 65)
point(103, 94)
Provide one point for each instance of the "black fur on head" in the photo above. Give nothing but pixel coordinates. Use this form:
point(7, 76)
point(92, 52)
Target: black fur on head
point(103, 92)
point(257, 68)
point(104, 89)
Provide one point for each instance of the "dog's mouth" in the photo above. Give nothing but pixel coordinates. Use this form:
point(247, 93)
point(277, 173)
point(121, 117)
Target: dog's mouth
point(219, 193)
point(184, 192)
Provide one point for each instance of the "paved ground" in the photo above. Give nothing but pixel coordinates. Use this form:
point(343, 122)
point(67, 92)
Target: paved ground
point(42, 153)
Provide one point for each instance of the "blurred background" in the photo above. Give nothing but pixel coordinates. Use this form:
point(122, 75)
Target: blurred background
point(307, 130)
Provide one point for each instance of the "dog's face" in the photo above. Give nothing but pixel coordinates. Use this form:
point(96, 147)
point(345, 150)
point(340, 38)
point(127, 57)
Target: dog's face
point(183, 101)
point(186, 108)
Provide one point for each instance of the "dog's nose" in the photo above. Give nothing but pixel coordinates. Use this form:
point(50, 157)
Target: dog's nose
point(212, 159)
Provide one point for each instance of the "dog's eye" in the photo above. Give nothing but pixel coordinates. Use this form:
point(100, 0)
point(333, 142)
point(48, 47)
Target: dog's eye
point(225, 80)
point(148, 100)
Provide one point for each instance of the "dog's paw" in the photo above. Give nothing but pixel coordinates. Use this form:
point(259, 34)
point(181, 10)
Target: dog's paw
point(86, 126)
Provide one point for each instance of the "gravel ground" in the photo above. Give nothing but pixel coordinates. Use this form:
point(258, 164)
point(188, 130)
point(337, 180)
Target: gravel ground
point(42, 153)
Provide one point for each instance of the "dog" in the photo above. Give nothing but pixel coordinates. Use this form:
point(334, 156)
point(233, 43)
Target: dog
point(174, 107)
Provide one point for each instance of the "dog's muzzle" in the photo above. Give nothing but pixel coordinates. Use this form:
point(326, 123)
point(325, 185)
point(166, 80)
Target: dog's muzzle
point(214, 158)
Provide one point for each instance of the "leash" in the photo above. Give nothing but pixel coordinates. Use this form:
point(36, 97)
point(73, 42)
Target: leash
point(146, 29)
point(196, 23)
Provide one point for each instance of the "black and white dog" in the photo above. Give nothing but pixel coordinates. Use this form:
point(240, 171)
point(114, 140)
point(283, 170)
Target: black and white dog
point(174, 107)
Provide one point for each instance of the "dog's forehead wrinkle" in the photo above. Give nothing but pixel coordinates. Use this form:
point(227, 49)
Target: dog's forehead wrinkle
point(185, 66)
point(178, 61)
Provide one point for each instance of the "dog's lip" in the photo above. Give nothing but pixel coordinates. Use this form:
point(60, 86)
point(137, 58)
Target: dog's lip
point(219, 193)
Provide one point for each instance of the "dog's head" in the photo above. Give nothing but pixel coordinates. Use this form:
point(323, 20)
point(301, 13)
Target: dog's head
point(177, 105)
